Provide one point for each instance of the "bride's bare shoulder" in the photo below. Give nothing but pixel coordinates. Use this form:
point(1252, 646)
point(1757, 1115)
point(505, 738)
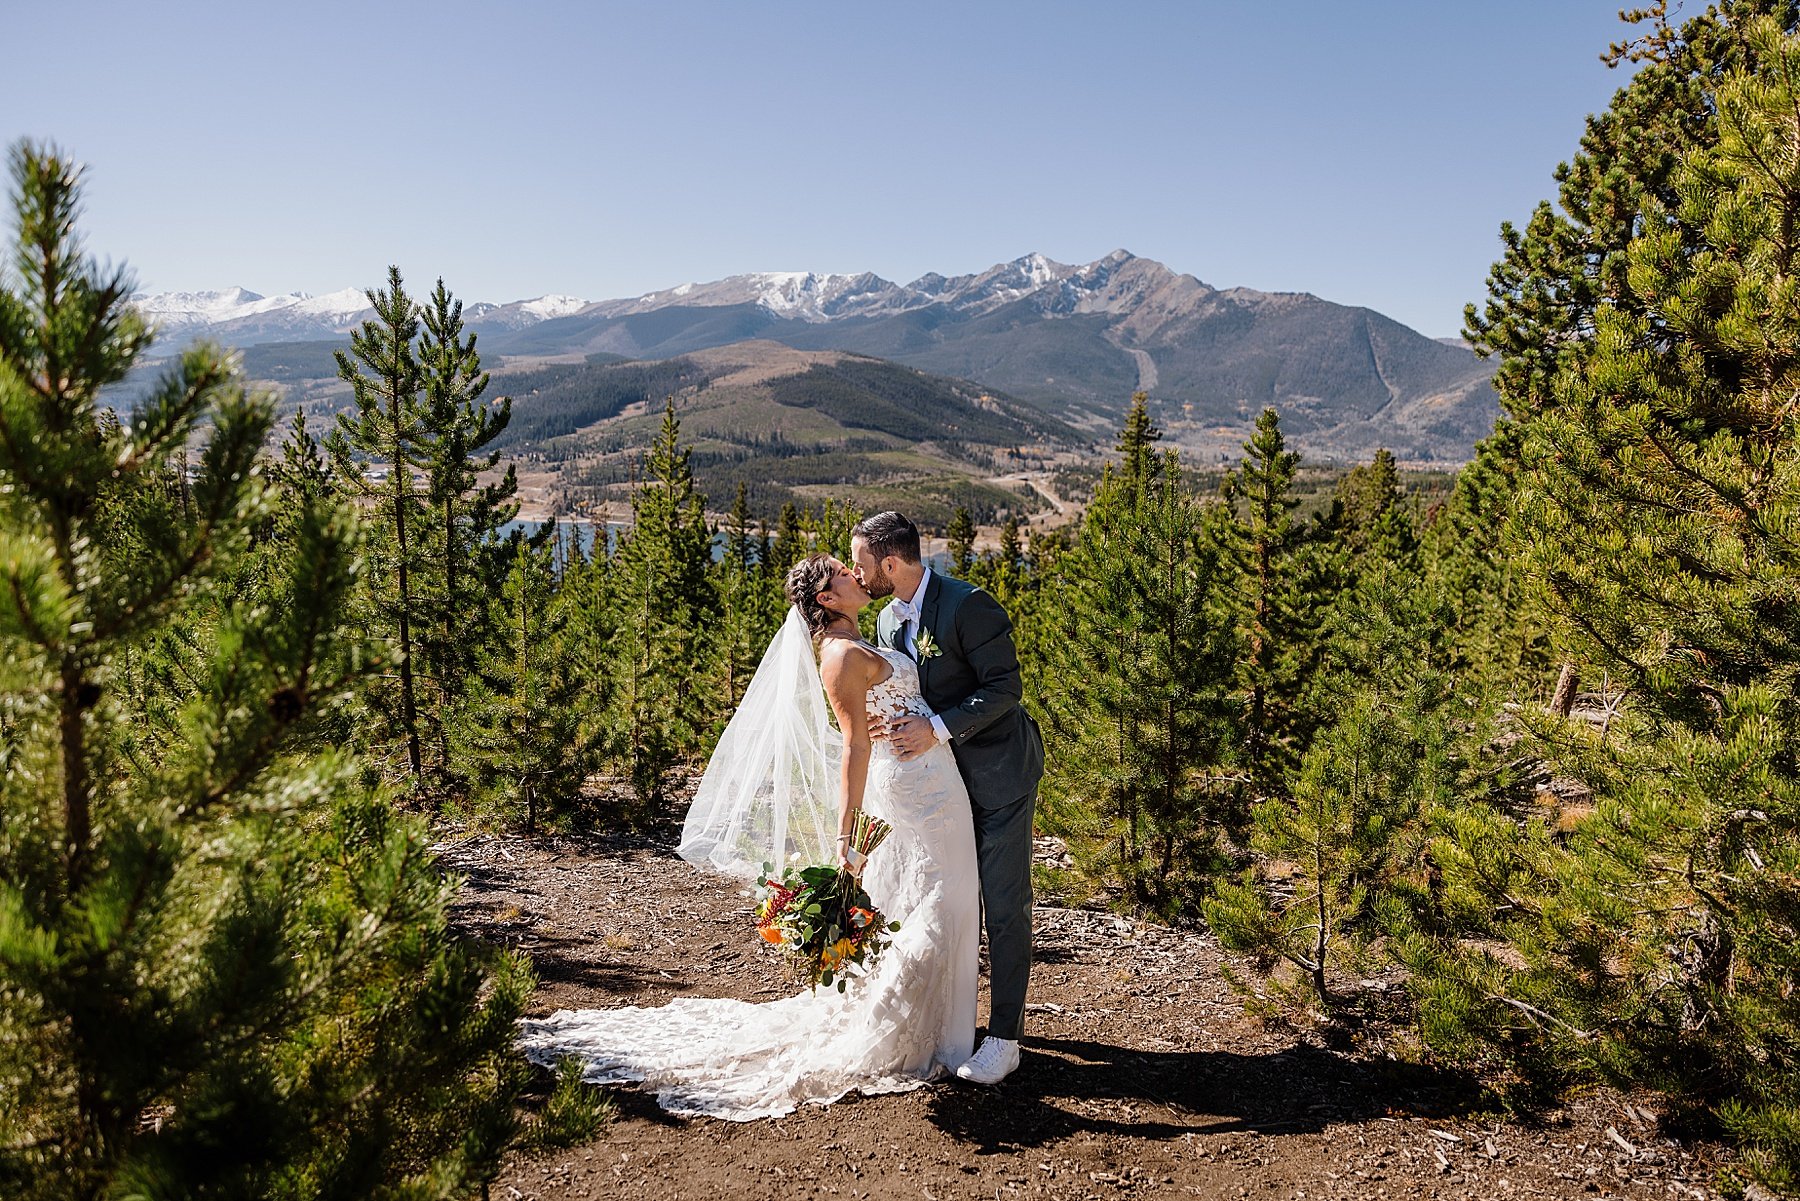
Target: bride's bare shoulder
point(850, 656)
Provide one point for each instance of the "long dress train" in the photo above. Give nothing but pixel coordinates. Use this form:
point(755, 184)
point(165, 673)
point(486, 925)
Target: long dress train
point(907, 1021)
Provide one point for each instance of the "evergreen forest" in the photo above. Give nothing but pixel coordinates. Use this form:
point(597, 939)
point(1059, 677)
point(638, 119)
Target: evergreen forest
point(1531, 747)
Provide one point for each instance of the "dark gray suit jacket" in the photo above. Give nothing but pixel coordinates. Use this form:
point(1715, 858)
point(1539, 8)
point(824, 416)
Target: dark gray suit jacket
point(973, 685)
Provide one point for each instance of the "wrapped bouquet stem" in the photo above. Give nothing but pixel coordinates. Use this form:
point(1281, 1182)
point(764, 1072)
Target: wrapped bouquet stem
point(866, 833)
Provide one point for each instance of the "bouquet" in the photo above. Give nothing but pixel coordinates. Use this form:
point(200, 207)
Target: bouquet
point(821, 917)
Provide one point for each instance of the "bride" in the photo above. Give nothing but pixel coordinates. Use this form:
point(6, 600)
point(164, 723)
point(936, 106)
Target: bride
point(767, 794)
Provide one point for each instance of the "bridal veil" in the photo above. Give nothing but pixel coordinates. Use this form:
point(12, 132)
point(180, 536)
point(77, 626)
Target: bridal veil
point(770, 789)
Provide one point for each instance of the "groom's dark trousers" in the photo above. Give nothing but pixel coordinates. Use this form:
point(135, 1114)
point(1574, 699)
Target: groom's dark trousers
point(1003, 850)
point(972, 682)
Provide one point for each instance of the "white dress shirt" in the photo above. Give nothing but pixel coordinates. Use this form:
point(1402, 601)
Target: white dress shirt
point(908, 611)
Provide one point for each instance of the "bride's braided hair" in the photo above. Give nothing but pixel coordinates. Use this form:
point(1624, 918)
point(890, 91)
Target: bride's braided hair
point(805, 580)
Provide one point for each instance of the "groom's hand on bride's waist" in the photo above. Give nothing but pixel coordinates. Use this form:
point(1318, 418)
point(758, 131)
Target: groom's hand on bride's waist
point(910, 736)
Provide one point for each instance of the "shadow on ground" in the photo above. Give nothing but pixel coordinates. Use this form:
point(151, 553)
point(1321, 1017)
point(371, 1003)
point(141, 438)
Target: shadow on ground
point(1054, 1094)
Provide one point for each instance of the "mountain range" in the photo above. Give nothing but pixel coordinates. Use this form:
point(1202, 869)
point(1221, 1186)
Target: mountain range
point(1076, 340)
point(238, 317)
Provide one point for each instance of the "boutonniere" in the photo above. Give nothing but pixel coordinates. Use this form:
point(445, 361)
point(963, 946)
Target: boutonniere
point(927, 646)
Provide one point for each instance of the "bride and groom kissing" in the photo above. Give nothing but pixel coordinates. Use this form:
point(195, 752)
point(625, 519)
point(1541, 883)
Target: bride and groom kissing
point(922, 728)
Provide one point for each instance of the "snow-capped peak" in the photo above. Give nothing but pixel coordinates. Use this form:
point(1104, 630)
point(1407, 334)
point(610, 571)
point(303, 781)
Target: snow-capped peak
point(345, 302)
point(194, 303)
point(799, 295)
point(552, 305)
point(796, 291)
point(1040, 270)
point(244, 318)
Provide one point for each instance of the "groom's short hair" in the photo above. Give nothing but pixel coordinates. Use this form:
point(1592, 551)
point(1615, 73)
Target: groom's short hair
point(889, 533)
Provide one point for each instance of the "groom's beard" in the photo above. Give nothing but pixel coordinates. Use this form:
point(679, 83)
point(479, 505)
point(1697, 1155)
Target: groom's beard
point(877, 584)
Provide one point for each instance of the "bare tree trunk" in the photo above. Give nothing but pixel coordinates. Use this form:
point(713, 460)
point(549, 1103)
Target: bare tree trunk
point(409, 712)
point(77, 799)
point(1564, 698)
point(1321, 943)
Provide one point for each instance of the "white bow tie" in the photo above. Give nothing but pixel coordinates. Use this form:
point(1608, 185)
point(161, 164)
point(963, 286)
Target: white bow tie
point(905, 611)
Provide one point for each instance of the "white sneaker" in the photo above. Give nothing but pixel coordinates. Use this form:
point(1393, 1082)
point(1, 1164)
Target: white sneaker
point(992, 1062)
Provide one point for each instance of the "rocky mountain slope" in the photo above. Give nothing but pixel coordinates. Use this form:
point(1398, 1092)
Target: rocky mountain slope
point(1079, 340)
point(1076, 341)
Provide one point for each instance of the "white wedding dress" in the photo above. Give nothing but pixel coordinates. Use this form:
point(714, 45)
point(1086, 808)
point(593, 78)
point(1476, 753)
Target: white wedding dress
point(910, 1019)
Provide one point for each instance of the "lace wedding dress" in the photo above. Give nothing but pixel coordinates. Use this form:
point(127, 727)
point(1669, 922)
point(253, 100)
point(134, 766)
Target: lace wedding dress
point(911, 1018)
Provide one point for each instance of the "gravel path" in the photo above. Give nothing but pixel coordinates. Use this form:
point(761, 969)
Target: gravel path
point(1141, 1075)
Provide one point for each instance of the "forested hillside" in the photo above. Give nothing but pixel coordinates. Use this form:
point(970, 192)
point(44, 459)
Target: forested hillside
point(792, 428)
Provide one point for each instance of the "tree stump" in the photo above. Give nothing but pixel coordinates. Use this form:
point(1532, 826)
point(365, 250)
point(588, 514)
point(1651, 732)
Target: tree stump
point(1563, 699)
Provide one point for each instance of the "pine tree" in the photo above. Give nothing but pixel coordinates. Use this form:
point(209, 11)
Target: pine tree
point(1660, 494)
point(384, 378)
point(1037, 623)
point(765, 550)
point(225, 969)
point(527, 728)
point(790, 539)
point(301, 473)
point(1570, 260)
point(1368, 511)
point(167, 671)
point(1009, 559)
point(828, 530)
point(1138, 687)
point(1266, 546)
point(1497, 635)
point(750, 604)
point(586, 594)
point(1345, 840)
point(666, 609)
point(1001, 573)
point(454, 428)
point(1137, 443)
point(960, 535)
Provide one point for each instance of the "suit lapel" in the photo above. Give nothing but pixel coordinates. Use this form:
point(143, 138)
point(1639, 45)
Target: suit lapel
point(928, 611)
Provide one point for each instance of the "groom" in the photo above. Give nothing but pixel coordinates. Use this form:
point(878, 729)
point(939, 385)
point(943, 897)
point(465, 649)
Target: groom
point(969, 673)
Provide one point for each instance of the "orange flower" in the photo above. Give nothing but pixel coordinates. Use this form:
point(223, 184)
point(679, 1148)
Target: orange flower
point(833, 956)
point(771, 934)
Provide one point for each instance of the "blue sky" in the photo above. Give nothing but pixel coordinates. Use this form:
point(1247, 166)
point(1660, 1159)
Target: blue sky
point(1365, 152)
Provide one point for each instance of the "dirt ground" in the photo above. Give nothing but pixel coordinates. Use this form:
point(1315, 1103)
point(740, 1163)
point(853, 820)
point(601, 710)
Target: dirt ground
point(1141, 1075)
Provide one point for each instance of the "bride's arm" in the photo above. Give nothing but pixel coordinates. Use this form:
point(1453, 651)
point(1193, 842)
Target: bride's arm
point(847, 671)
